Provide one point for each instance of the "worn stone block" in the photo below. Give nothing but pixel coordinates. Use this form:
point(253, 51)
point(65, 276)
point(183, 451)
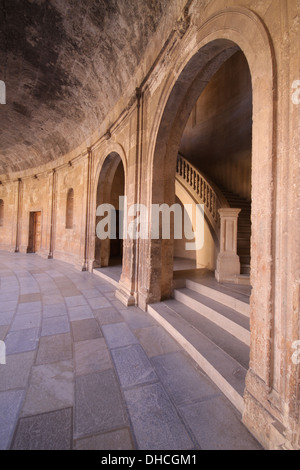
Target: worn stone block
point(85, 329)
point(10, 404)
point(91, 356)
point(54, 348)
point(98, 404)
point(118, 335)
point(48, 431)
point(51, 387)
point(133, 366)
point(155, 420)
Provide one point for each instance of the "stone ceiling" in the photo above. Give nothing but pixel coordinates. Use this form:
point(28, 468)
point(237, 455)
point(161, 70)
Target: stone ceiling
point(65, 63)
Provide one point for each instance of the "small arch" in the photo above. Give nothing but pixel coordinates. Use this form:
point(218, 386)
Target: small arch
point(70, 209)
point(1, 212)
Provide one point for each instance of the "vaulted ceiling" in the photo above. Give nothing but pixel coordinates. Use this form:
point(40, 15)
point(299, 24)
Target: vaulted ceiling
point(65, 64)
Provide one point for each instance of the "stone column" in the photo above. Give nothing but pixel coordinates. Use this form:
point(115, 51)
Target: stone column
point(19, 202)
point(228, 262)
point(53, 215)
point(86, 266)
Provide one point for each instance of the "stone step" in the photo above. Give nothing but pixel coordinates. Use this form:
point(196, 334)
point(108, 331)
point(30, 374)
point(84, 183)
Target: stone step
point(219, 354)
point(245, 269)
point(228, 297)
point(225, 317)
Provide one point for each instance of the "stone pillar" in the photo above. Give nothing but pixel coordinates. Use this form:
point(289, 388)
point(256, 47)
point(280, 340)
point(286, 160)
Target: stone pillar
point(228, 262)
point(53, 215)
point(86, 261)
point(19, 202)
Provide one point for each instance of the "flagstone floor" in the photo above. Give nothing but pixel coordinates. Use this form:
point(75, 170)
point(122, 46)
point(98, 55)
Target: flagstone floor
point(84, 372)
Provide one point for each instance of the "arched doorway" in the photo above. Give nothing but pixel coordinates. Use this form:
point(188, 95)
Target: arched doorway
point(221, 37)
point(217, 147)
point(110, 190)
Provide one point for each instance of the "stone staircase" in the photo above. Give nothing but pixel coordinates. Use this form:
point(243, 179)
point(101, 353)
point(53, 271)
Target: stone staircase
point(211, 322)
point(244, 228)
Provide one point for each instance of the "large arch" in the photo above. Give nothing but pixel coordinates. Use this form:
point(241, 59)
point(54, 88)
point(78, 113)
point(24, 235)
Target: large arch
point(213, 43)
point(107, 192)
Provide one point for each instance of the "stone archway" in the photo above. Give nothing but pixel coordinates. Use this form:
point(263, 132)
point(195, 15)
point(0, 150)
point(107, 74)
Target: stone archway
point(110, 186)
point(216, 41)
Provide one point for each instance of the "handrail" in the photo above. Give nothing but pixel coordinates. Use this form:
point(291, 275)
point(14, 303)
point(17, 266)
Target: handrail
point(212, 199)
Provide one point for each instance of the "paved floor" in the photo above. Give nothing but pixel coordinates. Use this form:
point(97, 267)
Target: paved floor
point(84, 372)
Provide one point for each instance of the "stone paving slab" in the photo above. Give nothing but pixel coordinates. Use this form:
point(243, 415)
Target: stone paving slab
point(99, 404)
point(83, 330)
point(15, 374)
point(6, 318)
point(55, 325)
point(10, 404)
point(217, 426)
point(51, 387)
point(91, 356)
point(48, 431)
point(118, 335)
point(54, 310)
point(29, 307)
point(133, 366)
point(83, 371)
point(22, 341)
point(109, 315)
point(54, 349)
point(80, 312)
point(26, 321)
point(156, 341)
point(117, 440)
point(181, 379)
point(155, 420)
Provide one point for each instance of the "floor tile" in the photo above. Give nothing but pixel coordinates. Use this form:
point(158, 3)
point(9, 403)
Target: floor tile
point(156, 341)
point(116, 440)
point(6, 318)
point(99, 404)
point(15, 373)
point(108, 315)
point(99, 302)
point(136, 318)
point(48, 431)
point(29, 307)
point(55, 325)
point(10, 404)
point(118, 335)
point(3, 331)
point(51, 387)
point(75, 300)
point(217, 426)
point(155, 420)
point(86, 329)
point(80, 313)
point(91, 356)
point(22, 340)
point(133, 366)
point(8, 306)
point(181, 379)
point(29, 297)
point(54, 348)
point(54, 310)
point(26, 321)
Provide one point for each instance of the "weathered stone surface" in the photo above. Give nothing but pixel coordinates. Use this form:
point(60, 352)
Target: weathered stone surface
point(48, 431)
point(99, 405)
